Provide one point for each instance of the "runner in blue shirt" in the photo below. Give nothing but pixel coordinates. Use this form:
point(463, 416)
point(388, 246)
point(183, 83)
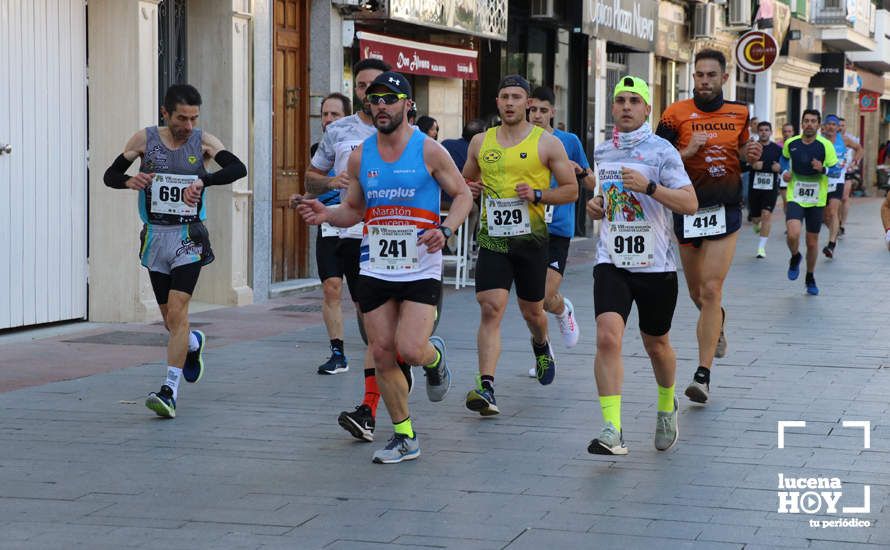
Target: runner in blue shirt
point(560, 219)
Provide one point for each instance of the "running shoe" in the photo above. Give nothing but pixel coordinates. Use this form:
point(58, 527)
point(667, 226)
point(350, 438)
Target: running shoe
point(360, 422)
point(567, 325)
point(829, 252)
point(162, 402)
point(335, 365)
point(761, 253)
point(193, 368)
point(812, 289)
point(841, 231)
point(794, 267)
point(399, 448)
point(720, 350)
point(438, 379)
point(545, 366)
point(610, 441)
point(698, 391)
point(666, 428)
point(481, 400)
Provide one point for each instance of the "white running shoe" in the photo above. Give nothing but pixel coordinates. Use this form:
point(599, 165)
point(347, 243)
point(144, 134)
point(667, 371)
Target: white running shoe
point(567, 325)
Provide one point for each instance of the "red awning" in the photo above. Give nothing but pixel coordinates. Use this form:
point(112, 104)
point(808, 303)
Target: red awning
point(407, 56)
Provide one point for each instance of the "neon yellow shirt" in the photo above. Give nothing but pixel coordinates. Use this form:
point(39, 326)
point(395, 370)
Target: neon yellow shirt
point(503, 168)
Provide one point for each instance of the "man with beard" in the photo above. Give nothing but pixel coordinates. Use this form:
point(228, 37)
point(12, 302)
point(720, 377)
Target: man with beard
point(340, 139)
point(510, 166)
point(174, 242)
point(712, 136)
point(395, 182)
point(810, 158)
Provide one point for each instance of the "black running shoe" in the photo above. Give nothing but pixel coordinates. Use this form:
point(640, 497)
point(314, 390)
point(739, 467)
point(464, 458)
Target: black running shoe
point(360, 422)
point(193, 368)
point(335, 365)
point(162, 402)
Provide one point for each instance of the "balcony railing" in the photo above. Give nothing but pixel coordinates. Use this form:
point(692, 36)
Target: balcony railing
point(831, 16)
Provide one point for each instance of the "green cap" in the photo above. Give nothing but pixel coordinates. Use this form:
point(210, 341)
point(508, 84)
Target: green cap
point(633, 84)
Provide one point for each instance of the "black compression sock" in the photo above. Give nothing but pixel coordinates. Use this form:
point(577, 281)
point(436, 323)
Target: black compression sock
point(702, 375)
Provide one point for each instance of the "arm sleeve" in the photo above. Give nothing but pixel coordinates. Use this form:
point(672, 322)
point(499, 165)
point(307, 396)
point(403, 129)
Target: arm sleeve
point(116, 177)
point(232, 170)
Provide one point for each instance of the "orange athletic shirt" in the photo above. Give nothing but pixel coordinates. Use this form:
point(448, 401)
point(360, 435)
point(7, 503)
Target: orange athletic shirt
point(715, 170)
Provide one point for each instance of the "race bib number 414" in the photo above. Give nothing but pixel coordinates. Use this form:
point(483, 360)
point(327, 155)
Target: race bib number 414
point(167, 192)
point(706, 222)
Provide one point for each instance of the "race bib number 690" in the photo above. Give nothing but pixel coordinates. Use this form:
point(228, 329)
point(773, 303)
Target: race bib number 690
point(167, 193)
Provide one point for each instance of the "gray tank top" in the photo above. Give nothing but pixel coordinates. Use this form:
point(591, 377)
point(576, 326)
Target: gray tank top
point(185, 161)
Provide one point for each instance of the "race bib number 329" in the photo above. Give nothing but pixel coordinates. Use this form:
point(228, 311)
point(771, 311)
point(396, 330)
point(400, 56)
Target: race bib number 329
point(507, 217)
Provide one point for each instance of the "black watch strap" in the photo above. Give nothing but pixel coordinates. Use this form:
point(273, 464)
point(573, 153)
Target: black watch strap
point(650, 189)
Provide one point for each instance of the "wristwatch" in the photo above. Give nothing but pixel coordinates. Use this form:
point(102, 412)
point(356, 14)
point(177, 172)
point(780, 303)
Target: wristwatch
point(650, 189)
point(538, 195)
point(446, 231)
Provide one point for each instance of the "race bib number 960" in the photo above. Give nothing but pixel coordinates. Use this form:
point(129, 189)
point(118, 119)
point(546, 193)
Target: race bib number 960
point(167, 192)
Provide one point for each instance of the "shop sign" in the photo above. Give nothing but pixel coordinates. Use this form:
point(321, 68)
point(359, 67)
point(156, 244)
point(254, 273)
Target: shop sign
point(756, 51)
point(420, 58)
point(831, 72)
point(868, 102)
point(627, 22)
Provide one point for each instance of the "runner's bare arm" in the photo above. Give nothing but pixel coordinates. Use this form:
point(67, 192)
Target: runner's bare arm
point(859, 151)
point(319, 183)
point(681, 200)
point(443, 169)
point(211, 145)
point(885, 213)
point(554, 156)
point(472, 173)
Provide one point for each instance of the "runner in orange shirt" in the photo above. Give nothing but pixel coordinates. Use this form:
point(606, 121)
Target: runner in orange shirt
point(711, 134)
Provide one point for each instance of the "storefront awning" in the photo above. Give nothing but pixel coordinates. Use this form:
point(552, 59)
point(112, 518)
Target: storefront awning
point(420, 58)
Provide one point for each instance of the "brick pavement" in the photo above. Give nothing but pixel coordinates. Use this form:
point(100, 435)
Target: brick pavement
point(255, 458)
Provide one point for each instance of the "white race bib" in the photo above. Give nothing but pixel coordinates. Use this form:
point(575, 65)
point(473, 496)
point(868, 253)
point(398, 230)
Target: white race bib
point(631, 244)
point(833, 183)
point(806, 193)
point(355, 231)
point(507, 217)
point(763, 180)
point(167, 192)
point(393, 248)
point(706, 222)
point(548, 213)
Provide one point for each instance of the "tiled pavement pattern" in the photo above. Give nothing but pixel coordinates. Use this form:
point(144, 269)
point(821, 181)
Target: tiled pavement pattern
point(255, 458)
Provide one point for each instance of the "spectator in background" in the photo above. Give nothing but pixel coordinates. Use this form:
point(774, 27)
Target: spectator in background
point(429, 126)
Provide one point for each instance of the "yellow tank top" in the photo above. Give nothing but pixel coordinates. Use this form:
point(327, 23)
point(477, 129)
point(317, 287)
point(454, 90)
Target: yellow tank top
point(502, 169)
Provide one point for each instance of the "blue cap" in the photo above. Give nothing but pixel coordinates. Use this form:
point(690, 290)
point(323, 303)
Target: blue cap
point(832, 118)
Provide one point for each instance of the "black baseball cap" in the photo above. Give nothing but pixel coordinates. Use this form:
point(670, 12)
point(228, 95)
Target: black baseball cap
point(515, 80)
point(393, 81)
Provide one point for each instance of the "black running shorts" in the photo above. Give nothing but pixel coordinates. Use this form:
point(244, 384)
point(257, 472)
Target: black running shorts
point(616, 289)
point(527, 266)
point(812, 215)
point(733, 224)
point(374, 292)
point(558, 251)
point(348, 251)
point(326, 258)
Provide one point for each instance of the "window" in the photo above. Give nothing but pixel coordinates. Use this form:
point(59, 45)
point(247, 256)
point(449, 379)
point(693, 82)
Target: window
point(172, 68)
point(744, 86)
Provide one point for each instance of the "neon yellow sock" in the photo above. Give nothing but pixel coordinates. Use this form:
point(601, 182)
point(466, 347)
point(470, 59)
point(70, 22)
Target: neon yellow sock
point(611, 406)
point(435, 363)
point(666, 399)
point(404, 427)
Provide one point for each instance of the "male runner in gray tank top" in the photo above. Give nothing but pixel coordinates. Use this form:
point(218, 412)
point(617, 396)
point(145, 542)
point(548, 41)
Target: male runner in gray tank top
point(174, 242)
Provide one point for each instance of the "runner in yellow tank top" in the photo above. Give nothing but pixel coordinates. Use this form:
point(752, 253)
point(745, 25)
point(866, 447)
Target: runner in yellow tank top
point(503, 168)
point(510, 167)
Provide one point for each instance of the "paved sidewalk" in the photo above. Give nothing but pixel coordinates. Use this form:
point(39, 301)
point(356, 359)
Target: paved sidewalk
point(255, 458)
